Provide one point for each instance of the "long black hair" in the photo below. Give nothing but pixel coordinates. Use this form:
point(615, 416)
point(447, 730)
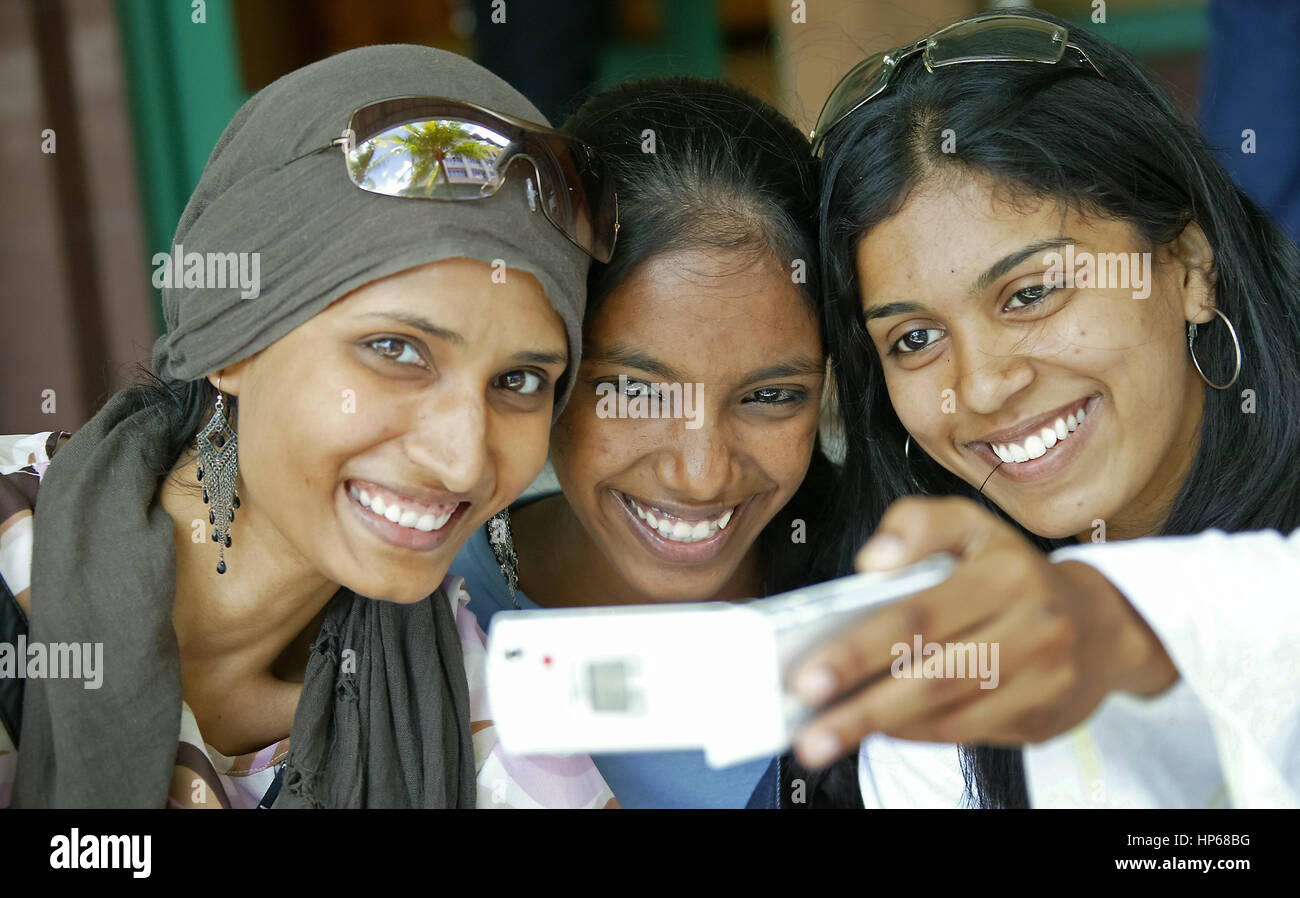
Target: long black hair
point(699, 162)
point(1114, 146)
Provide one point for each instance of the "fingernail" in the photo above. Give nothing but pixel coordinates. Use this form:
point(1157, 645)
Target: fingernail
point(820, 748)
point(882, 552)
point(816, 685)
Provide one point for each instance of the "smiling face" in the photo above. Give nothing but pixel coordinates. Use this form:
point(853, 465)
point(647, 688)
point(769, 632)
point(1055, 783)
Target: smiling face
point(1083, 397)
point(676, 504)
point(376, 437)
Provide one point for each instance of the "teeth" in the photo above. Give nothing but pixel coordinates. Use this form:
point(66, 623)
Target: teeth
point(680, 531)
point(413, 518)
point(1037, 445)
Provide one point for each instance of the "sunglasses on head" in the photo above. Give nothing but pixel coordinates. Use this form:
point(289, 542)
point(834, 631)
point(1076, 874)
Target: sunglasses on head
point(441, 149)
point(1003, 37)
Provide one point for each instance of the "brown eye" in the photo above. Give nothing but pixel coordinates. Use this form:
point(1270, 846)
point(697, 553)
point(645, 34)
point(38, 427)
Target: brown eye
point(915, 341)
point(1029, 296)
point(525, 383)
point(395, 350)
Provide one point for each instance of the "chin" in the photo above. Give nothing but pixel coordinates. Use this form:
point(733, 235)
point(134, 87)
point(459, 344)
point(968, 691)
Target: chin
point(404, 592)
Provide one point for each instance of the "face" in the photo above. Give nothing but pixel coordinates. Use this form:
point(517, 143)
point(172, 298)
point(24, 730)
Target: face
point(675, 503)
point(1081, 394)
point(378, 435)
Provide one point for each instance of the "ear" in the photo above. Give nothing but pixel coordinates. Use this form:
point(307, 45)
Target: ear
point(230, 378)
point(1190, 251)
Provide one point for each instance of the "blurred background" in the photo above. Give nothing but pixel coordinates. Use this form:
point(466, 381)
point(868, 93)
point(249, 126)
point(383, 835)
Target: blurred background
point(131, 96)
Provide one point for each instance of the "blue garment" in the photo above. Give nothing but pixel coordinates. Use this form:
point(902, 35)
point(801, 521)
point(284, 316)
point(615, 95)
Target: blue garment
point(663, 779)
point(1252, 81)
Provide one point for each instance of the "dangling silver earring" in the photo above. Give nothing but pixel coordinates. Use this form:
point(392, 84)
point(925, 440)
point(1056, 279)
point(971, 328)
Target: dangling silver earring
point(218, 449)
point(502, 541)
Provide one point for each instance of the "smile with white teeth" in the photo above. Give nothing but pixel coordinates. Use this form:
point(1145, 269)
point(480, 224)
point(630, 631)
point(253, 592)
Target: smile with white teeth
point(409, 515)
point(677, 530)
point(1039, 444)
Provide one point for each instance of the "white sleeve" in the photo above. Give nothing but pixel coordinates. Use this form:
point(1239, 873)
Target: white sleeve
point(899, 773)
point(1226, 607)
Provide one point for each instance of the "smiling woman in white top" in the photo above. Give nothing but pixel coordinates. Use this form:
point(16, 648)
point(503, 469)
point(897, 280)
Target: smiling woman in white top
point(1049, 305)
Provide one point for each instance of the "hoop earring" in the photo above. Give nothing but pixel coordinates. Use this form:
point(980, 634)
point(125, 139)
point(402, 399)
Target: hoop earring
point(907, 459)
point(1236, 345)
point(218, 448)
point(502, 541)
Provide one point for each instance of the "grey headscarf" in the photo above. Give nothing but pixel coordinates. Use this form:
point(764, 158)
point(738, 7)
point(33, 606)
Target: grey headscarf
point(394, 732)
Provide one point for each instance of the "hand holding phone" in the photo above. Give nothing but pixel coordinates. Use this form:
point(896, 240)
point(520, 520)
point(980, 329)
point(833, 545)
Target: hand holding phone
point(710, 675)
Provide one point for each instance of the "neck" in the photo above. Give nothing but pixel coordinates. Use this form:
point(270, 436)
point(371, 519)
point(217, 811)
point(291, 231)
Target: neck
point(259, 616)
point(560, 566)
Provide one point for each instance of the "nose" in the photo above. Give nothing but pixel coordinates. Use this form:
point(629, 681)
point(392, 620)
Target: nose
point(697, 464)
point(448, 438)
point(990, 371)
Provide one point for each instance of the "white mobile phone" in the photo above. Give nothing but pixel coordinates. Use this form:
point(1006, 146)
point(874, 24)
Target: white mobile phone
point(703, 675)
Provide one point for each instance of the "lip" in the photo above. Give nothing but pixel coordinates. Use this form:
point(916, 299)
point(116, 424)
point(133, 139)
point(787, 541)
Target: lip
point(701, 552)
point(405, 537)
point(1056, 459)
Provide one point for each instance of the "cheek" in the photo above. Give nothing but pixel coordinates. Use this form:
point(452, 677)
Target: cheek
point(520, 444)
point(585, 447)
point(917, 398)
point(784, 450)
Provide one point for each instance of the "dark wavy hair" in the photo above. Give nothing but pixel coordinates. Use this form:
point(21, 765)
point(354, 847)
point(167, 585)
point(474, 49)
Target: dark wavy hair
point(727, 171)
point(1112, 146)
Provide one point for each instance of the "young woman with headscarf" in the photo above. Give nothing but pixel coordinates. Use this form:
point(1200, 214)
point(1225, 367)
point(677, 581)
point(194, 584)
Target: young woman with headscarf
point(259, 540)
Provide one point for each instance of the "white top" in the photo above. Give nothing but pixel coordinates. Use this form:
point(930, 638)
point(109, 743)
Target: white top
point(1226, 607)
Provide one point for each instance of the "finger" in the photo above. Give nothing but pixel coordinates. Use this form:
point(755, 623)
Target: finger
point(915, 527)
point(1025, 708)
point(976, 592)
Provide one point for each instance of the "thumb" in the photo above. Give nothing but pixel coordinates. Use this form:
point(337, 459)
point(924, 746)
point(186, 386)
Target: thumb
point(916, 527)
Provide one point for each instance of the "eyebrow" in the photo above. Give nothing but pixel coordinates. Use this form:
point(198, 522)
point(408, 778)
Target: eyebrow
point(421, 324)
point(982, 283)
point(792, 368)
point(1011, 260)
point(630, 358)
point(532, 357)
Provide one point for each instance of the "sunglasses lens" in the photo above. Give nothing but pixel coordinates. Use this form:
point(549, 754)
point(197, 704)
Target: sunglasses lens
point(445, 150)
point(863, 81)
point(447, 159)
point(576, 192)
point(997, 39)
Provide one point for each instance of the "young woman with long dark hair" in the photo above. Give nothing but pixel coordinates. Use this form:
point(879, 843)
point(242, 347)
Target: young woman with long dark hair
point(1048, 303)
point(712, 289)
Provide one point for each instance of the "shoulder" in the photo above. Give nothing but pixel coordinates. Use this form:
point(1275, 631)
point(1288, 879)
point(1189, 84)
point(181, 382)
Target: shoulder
point(23, 461)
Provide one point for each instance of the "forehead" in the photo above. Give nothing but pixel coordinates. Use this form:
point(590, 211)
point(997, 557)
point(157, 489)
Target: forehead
point(953, 226)
point(700, 301)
